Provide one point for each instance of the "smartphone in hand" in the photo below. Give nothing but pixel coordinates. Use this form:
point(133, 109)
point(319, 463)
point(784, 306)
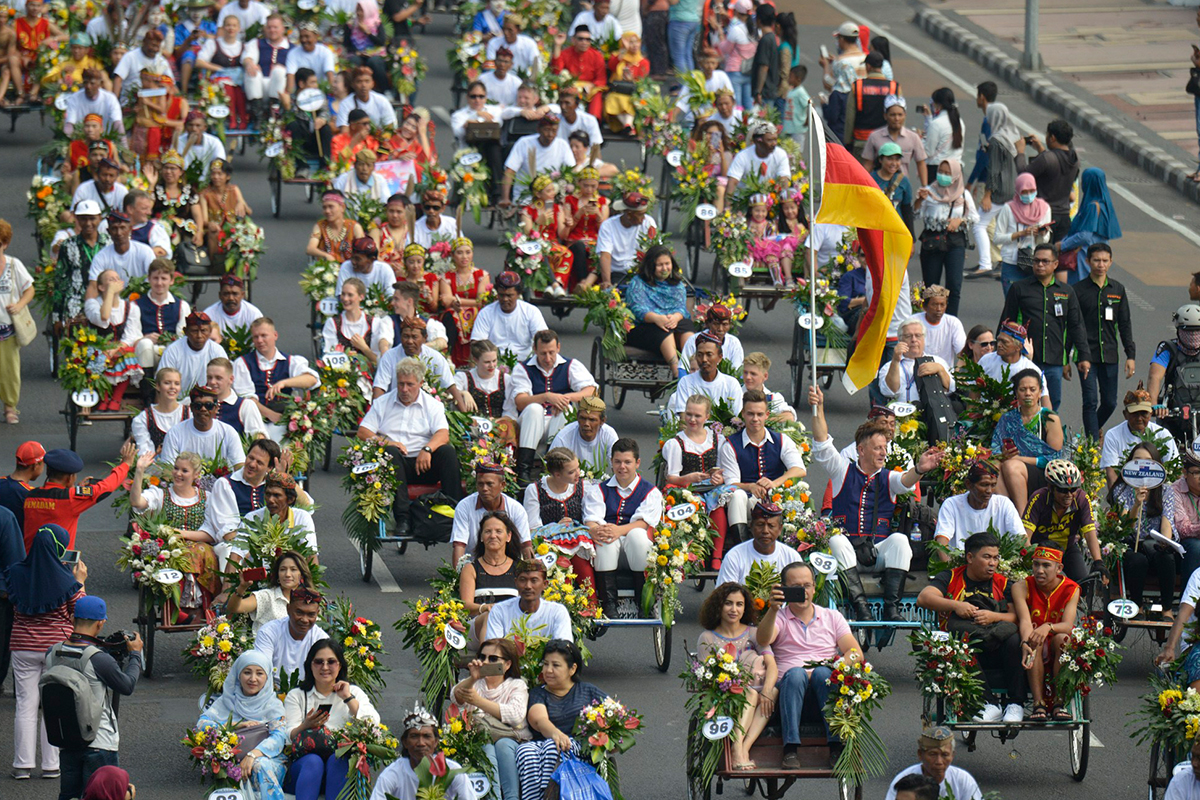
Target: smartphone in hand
point(254, 574)
point(825, 51)
point(794, 594)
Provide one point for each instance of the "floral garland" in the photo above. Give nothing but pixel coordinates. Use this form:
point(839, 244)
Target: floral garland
point(1089, 656)
point(607, 311)
point(154, 547)
point(423, 628)
point(716, 687)
point(368, 745)
point(371, 482)
point(857, 691)
point(214, 649)
point(48, 199)
point(680, 548)
point(469, 182)
point(946, 666)
point(407, 69)
point(985, 398)
point(731, 238)
point(211, 748)
point(610, 728)
point(363, 642)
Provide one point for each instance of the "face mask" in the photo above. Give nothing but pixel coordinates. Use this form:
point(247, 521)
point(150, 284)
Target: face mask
point(944, 180)
point(1028, 198)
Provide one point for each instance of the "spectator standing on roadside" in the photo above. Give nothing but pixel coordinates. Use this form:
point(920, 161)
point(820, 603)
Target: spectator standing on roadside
point(1193, 88)
point(1095, 222)
point(1055, 169)
point(765, 78)
point(944, 129)
point(655, 16)
point(1105, 309)
point(865, 106)
point(1004, 155)
point(736, 45)
point(683, 28)
point(840, 74)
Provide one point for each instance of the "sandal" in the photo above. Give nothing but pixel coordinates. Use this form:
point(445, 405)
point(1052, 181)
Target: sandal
point(12, 416)
point(744, 765)
point(1039, 713)
point(1061, 715)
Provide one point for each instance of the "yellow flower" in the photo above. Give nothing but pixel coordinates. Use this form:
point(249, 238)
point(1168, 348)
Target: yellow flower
point(223, 627)
point(224, 646)
point(348, 641)
point(207, 641)
point(456, 725)
point(543, 548)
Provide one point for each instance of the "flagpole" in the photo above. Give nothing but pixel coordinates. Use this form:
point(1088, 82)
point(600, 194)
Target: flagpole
point(812, 253)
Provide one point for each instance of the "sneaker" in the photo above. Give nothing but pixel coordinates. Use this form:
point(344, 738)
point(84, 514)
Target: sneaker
point(791, 759)
point(21, 774)
point(990, 713)
point(1014, 712)
point(51, 775)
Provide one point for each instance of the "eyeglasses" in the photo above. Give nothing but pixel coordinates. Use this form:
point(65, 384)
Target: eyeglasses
point(207, 406)
point(492, 658)
point(477, 96)
point(1045, 261)
point(325, 662)
point(986, 345)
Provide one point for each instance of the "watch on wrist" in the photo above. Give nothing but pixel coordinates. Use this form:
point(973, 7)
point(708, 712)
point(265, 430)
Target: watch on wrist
point(427, 449)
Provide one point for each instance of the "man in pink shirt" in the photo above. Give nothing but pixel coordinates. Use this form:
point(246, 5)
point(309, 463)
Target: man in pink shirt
point(798, 633)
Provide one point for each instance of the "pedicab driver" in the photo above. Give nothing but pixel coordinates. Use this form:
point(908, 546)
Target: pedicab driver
point(1181, 632)
point(797, 634)
point(1046, 604)
point(935, 759)
point(420, 740)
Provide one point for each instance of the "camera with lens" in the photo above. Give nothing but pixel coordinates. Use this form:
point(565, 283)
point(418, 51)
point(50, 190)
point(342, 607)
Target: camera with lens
point(116, 644)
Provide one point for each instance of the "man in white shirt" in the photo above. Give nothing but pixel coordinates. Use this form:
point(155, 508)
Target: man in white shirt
point(139, 206)
point(501, 83)
point(944, 334)
point(604, 26)
point(419, 740)
point(363, 265)
point(363, 179)
point(478, 109)
point(414, 423)
point(589, 437)
point(488, 498)
point(717, 321)
point(202, 433)
point(312, 54)
point(898, 378)
point(93, 99)
point(525, 53)
point(127, 77)
point(576, 119)
point(1009, 358)
point(232, 309)
point(977, 509)
point(551, 616)
point(287, 641)
point(617, 239)
point(545, 387)
point(261, 375)
point(1137, 427)
point(764, 150)
point(434, 225)
point(633, 508)
point(248, 12)
point(756, 371)
point(122, 255)
point(935, 760)
point(1185, 782)
point(707, 380)
point(191, 354)
point(765, 528)
point(104, 188)
point(549, 153)
point(378, 108)
point(239, 413)
point(509, 322)
point(199, 144)
point(412, 345)
point(234, 496)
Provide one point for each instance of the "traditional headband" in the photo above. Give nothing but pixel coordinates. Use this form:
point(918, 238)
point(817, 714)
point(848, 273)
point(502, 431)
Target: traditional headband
point(1048, 554)
point(282, 480)
point(488, 468)
point(418, 718)
point(718, 313)
point(413, 323)
point(591, 405)
point(760, 200)
point(933, 290)
point(171, 158)
point(766, 510)
point(880, 411)
point(1014, 330)
point(461, 241)
point(198, 318)
point(588, 174)
point(414, 249)
point(305, 594)
point(540, 183)
point(705, 336)
point(365, 246)
point(194, 114)
point(334, 197)
point(95, 117)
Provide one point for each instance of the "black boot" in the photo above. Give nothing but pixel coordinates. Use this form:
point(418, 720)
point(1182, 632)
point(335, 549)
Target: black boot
point(606, 592)
point(856, 595)
point(735, 535)
point(893, 584)
point(526, 458)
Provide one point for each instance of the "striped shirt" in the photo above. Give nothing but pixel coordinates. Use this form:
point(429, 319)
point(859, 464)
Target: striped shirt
point(39, 632)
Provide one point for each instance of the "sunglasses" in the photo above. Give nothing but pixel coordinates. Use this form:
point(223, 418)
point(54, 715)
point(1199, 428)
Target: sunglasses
point(432, 207)
point(325, 662)
point(205, 406)
point(476, 96)
point(1045, 261)
point(492, 659)
point(986, 345)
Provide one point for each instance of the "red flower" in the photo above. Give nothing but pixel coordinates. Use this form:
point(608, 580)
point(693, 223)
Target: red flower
point(437, 765)
point(632, 723)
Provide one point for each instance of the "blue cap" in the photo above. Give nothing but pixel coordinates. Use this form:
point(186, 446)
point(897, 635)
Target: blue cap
point(65, 461)
point(91, 607)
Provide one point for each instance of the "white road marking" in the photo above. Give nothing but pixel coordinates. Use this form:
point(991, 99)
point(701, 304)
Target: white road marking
point(382, 575)
point(441, 113)
point(969, 89)
point(1094, 741)
point(1138, 300)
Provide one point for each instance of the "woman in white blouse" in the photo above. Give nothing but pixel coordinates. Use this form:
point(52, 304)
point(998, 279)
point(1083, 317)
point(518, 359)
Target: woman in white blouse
point(948, 212)
point(289, 571)
point(944, 130)
point(499, 702)
point(488, 392)
point(356, 331)
point(151, 425)
point(312, 714)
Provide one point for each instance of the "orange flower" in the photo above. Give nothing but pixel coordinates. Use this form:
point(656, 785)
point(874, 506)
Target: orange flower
point(45, 192)
point(759, 603)
point(468, 178)
point(804, 497)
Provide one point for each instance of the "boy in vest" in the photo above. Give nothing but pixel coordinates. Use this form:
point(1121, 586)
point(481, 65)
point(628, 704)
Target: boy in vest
point(267, 374)
point(157, 313)
point(106, 678)
point(239, 413)
point(632, 509)
point(1046, 604)
point(975, 599)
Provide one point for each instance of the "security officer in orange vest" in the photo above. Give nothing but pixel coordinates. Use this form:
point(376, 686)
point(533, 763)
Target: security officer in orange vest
point(864, 106)
point(976, 600)
point(60, 500)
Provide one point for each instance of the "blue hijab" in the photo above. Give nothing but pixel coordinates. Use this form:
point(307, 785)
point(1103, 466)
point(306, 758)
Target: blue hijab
point(233, 702)
point(41, 583)
point(1096, 214)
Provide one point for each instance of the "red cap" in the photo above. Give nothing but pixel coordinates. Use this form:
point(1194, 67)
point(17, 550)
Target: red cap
point(30, 453)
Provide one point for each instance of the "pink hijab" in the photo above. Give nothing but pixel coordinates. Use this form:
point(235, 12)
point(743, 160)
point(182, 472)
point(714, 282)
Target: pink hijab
point(370, 20)
point(1031, 214)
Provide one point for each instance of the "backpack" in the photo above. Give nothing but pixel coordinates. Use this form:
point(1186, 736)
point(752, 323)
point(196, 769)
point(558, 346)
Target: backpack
point(71, 708)
point(430, 526)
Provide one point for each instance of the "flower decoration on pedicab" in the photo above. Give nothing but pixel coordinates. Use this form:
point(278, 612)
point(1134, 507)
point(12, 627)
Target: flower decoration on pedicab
point(946, 666)
point(1088, 658)
point(680, 546)
point(608, 728)
point(214, 649)
point(856, 692)
point(213, 749)
point(368, 746)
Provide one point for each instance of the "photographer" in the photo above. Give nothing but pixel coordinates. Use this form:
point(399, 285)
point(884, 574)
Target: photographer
point(97, 659)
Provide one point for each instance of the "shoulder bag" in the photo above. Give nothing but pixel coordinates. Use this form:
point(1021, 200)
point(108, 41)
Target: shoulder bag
point(24, 327)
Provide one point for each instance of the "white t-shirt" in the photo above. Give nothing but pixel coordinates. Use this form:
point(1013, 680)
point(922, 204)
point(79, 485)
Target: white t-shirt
point(909, 390)
point(513, 331)
point(209, 149)
point(435, 362)
point(79, 105)
point(731, 349)
point(399, 781)
point(14, 281)
point(130, 67)
point(245, 315)
point(286, 654)
point(254, 13)
point(376, 105)
point(192, 364)
point(381, 275)
point(184, 438)
point(133, 263)
point(620, 242)
point(957, 519)
point(1119, 439)
point(373, 329)
point(749, 161)
point(583, 122)
point(320, 60)
point(993, 366)
point(412, 425)
point(554, 156)
point(501, 90)
point(737, 562)
point(525, 51)
point(460, 118)
point(957, 780)
point(596, 453)
point(553, 616)
point(112, 200)
point(1183, 785)
point(423, 235)
point(593, 502)
point(946, 339)
point(607, 28)
point(468, 515)
point(723, 387)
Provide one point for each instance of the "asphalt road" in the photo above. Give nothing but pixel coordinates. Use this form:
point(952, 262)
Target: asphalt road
point(1154, 260)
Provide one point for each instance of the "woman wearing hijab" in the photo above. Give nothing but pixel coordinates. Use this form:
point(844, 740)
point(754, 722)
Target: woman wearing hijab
point(365, 44)
point(249, 699)
point(1095, 222)
point(43, 593)
point(946, 210)
point(1022, 223)
point(1004, 161)
point(110, 783)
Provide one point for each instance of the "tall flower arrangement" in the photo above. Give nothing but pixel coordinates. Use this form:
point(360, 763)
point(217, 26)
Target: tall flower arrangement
point(367, 745)
point(609, 727)
point(363, 642)
point(1089, 656)
point(243, 243)
point(695, 182)
point(985, 398)
point(319, 280)
point(731, 238)
point(407, 68)
point(154, 546)
point(606, 310)
point(424, 631)
point(946, 665)
point(1169, 714)
point(716, 686)
point(214, 649)
point(47, 201)
point(371, 482)
point(464, 740)
point(470, 182)
point(856, 692)
point(679, 548)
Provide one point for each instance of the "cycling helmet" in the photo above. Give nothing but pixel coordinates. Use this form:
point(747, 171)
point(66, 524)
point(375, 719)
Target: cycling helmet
point(1187, 316)
point(1063, 474)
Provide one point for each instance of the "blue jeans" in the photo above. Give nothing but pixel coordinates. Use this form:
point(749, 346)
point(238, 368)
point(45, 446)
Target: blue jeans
point(681, 39)
point(1099, 390)
point(309, 774)
point(797, 687)
point(1191, 557)
point(77, 767)
point(742, 89)
point(1010, 274)
point(1054, 381)
point(504, 756)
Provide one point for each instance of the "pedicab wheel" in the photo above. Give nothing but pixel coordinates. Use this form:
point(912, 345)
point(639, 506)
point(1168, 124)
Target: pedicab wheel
point(275, 178)
point(662, 647)
point(697, 788)
point(1080, 738)
point(310, 191)
point(72, 422)
point(1161, 767)
point(849, 791)
point(328, 454)
point(402, 547)
point(693, 253)
point(618, 393)
point(700, 584)
point(1119, 629)
point(145, 624)
point(366, 556)
point(598, 368)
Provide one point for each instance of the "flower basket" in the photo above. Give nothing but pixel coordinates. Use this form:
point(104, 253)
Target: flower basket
point(606, 310)
point(371, 482)
point(423, 628)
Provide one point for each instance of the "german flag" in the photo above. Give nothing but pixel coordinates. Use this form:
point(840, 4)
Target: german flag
point(844, 194)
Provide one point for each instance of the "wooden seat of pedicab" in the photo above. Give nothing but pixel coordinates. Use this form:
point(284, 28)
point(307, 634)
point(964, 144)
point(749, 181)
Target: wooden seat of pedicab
point(131, 406)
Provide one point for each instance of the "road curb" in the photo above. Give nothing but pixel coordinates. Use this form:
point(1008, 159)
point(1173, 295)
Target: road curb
point(1127, 143)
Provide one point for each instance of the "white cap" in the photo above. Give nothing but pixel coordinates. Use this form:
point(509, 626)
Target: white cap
point(87, 208)
point(847, 29)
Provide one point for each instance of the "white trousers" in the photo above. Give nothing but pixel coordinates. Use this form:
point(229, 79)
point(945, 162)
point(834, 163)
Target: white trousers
point(894, 552)
point(635, 545)
point(738, 507)
point(147, 353)
point(256, 85)
point(28, 667)
point(538, 425)
point(983, 243)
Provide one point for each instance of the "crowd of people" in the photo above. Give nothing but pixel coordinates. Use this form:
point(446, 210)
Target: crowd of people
point(436, 334)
